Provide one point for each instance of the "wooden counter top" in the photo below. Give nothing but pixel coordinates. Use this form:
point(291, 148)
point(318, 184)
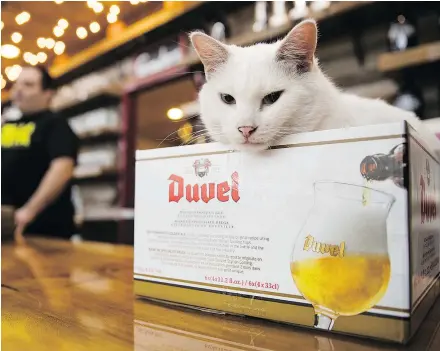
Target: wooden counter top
point(60, 295)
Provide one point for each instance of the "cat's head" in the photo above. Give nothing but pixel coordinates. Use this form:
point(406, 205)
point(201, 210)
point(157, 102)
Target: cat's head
point(255, 95)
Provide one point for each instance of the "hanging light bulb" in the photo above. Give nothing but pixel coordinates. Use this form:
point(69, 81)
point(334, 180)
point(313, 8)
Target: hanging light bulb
point(62, 23)
point(3, 83)
point(42, 57)
point(10, 51)
point(59, 47)
point(50, 43)
point(3, 25)
point(112, 18)
point(27, 56)
point(22, 18)
point(59, 2)
point(98, 7)
point(81, 32)
point(175, 113)
point(13, 72)
point(41, 43)
point(91, 3)
point(33, 60)
point(134, 2)
point(94, 27)
point(16, 37)
point(115, 9)
point(58, 31)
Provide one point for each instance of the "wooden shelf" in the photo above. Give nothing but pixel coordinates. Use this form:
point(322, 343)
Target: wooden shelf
point(105, 214)
point(99, 174)
point(421, 54)
point(100, 134)
point(106, 97)
point(250, 38)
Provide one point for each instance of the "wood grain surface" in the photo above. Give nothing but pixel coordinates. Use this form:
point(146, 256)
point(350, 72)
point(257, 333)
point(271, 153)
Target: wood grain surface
point(58, 295)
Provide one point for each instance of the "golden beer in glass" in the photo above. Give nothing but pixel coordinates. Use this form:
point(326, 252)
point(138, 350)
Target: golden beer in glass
point(340, 261)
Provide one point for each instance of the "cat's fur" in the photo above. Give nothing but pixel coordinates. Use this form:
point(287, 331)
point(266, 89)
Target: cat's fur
point(310, 101)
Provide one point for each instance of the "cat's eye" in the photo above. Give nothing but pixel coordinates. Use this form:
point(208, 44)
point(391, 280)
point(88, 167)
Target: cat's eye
point(271, 98)
point(227, 99)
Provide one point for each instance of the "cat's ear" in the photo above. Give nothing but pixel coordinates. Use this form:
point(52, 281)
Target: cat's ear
point(298, 48)
point(212, 53)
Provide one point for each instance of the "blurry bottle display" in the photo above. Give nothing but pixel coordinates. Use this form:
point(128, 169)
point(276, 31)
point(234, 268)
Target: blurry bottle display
point(300, 10)
point(380, 167)
point(402, 34)
point(410, 98)
point(218, 31)
point(260, 22)
point(279, 14)
point(318, 6)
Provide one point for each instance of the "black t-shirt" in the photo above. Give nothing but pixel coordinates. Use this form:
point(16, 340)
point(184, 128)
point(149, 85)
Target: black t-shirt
point(28, 147)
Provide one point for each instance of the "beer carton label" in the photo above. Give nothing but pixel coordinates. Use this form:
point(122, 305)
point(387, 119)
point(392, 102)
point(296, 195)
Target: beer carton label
point(320, 224)
point(425, 220)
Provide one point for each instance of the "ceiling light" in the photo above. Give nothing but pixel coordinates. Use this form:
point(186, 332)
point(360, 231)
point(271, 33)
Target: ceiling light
point(16, 37)
point(175, 114)
point(112, 18)
point(81, 32)
point(134, 2)
point(98, 7)
point(62, 23)
point(95, 27)
point(27, 56)
point(58, 31)
point(115, 9)
point(143, 1)
point(50, 43)
point(22, 18)
point(59, 47)
point(33, 60)
point(41, 42)
point(3, 83)
point(91, 3)
point(13, 72)
point(2, 25)
point(10, 51)
point(58, 2)
point(42, 57)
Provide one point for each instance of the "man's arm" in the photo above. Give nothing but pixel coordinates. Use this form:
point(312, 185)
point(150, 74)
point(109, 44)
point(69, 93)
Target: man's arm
point(56, 178)
point(61, 145)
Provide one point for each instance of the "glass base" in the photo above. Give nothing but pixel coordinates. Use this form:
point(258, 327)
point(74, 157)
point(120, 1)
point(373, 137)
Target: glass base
point(323, 322)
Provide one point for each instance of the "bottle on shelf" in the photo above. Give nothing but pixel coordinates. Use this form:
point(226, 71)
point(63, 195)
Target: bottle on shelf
point(402, 33)
point(410, 98)
point(279, 15)
point(260, 17)
point(299, 11)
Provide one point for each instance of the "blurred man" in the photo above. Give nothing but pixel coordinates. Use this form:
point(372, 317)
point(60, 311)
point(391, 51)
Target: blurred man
point(39, 152)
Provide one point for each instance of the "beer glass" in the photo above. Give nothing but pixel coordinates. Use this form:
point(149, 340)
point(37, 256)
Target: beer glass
point(340, 261)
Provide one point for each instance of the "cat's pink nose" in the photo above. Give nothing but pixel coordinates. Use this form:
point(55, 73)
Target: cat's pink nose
point(247, 131)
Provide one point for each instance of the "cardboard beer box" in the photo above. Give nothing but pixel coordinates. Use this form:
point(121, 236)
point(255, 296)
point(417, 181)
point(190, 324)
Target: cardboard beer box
point(336, 230)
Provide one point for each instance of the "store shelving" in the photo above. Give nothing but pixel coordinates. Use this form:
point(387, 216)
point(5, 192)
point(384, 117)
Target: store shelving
point(422, 54)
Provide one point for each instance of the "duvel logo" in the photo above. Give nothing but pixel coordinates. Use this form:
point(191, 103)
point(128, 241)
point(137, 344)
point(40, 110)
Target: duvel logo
point(201, 167)
point(225, 191)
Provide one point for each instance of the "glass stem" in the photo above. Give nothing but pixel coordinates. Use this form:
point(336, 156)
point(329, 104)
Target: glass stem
point(323, 322)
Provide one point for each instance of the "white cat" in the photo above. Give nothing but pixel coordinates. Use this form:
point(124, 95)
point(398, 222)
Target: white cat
point(255, 95)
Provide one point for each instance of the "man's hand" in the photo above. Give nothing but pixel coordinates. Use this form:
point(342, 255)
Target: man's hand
point(23, 216)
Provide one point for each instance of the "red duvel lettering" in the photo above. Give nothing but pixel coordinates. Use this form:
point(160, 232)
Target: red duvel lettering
point(428, 204)
point(222, 192)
